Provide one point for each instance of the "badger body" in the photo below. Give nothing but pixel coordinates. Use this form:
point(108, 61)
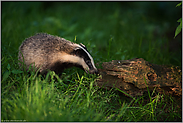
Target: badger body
point(48, 52)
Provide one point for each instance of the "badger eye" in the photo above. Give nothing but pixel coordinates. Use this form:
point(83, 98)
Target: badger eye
point(88, 62)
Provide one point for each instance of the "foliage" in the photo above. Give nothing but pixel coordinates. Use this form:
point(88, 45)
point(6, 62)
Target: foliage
point(178, 29)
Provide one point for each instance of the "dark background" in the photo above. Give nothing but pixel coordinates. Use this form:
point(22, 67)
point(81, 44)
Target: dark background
point(110, 30)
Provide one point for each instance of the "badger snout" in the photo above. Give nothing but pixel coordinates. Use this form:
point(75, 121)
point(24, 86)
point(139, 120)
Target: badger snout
point(93, 71)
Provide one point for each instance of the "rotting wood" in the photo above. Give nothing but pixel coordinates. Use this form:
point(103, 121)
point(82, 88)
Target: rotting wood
point(128, 76)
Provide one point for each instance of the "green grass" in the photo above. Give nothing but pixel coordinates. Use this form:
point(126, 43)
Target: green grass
point(110, 31)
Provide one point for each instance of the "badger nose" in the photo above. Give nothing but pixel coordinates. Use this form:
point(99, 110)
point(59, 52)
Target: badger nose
point(94, 71)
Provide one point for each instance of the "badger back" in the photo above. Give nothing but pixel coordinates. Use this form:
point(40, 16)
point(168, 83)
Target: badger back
point(41, 48)
point(47, 43)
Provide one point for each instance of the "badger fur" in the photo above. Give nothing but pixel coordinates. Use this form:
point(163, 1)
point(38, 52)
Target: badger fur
point(48, 52)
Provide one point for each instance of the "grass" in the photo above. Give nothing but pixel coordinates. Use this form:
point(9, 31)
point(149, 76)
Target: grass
point(110, 30)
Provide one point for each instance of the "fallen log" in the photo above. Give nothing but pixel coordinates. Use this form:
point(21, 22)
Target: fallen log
point(135, 75)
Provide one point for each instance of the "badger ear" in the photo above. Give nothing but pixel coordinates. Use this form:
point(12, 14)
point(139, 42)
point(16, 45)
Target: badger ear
point(80, 52)
point(77, 51)
point(77, 48)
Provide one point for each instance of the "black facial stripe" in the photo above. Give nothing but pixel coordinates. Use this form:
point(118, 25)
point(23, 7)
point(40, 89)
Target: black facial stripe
point(83, 47)
point(81, 53)
point(88, 62)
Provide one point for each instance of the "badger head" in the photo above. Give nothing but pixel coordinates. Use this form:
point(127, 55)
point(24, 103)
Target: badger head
point(85, 61)
point(77, 55)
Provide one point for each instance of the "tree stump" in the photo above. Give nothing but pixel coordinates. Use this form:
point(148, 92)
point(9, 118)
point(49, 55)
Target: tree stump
point(135, 75)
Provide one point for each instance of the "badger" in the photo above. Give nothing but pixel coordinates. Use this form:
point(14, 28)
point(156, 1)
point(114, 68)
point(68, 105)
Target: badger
point(47, 52)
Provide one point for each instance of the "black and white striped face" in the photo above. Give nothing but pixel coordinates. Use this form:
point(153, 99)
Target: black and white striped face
point(86, 60)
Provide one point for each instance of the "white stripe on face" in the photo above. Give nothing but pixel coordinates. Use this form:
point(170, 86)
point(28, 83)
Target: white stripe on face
point(89, 56)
